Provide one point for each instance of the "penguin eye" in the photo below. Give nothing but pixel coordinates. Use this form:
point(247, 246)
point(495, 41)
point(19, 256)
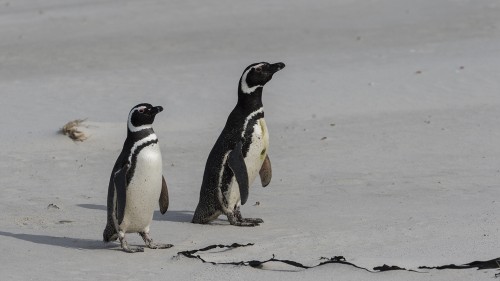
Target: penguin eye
point(258, 70)
point(141, 110)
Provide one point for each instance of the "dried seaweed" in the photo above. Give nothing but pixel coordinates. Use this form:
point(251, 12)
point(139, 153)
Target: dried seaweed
point(72, 131)
point(490, 264)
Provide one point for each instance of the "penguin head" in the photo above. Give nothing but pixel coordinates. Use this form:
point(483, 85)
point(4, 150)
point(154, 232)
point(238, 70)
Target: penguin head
point(142, 116)
point(257, 75)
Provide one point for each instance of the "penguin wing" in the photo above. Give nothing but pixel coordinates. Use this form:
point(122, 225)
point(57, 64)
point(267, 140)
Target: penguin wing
point(237, 164)
point(163, 196)
point(120, 180)
point(266, 173)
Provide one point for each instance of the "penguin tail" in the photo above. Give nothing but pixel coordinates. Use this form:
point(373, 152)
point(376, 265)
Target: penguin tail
point(196, 218)
point(109, 233)
point(204, 214)
point(199, 220)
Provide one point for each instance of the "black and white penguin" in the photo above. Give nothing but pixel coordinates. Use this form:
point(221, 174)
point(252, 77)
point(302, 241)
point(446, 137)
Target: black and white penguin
point(137, 184)
point(240, 152)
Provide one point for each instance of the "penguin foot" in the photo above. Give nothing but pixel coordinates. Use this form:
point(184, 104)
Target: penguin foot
point(133, 249)
point(150, 244)
point(159, 246)
point(238, 221)
point(129, 249)
point(252, 220)
point(239, 218)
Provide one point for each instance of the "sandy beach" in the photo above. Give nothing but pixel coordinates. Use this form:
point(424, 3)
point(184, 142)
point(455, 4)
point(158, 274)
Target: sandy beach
point(384, 134)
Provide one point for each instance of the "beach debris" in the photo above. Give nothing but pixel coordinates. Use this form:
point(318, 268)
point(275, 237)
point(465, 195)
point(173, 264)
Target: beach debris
point(259, 264)
point(323, 138)
point(194, 254)
point(489, 264)
point(53, 206)
point(418, 72)
point(257, 203)
point(64, 221)
point(386, 267)
point(72, 131)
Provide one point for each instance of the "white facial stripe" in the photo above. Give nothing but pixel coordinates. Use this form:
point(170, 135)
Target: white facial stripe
point(151, 137)
point(244, 86)
point(133, 128)
point(249, 117)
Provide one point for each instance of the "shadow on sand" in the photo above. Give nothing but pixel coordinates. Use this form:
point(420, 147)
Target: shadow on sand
point(93, 206)
point(174, 216)
point(66, 242)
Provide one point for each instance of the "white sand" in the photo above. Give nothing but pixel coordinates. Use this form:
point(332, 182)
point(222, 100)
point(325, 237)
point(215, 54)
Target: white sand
point(408, 175)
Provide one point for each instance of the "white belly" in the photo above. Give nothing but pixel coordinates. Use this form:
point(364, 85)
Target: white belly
point(144, 190)
point(255, 157)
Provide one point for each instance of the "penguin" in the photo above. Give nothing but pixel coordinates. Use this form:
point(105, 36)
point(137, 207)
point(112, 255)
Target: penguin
point(239, 154)
point(137, 184)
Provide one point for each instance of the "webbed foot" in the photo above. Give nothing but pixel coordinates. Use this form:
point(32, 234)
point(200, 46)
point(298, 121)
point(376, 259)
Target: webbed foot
point(252, 220)
point(150, 244)
point(159, 246)
point(242, 222)
point(239, 218)
point(129, 249)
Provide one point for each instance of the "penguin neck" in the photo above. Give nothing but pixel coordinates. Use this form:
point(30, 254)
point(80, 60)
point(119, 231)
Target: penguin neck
point(138, 135)
point(251, 101)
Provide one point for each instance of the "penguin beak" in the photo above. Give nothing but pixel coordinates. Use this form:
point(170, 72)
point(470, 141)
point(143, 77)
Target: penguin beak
point(275, 67)
point(155, 110)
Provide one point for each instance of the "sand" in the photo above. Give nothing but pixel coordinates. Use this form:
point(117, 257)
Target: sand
point(383, 134)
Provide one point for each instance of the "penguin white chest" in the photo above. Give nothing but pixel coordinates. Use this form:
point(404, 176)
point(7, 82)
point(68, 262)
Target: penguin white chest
point(258, 149)
point(254, 159)
point(143, 190)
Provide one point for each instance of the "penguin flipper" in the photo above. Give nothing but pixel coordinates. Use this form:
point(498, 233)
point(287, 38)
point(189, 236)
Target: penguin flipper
point(163, 201)
point(120, 181)
point(266, 173)
point(237, 164)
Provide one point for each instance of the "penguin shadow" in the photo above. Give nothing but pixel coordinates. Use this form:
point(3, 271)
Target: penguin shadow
point(174, 216)
point(65, 242)
point(93, 206)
